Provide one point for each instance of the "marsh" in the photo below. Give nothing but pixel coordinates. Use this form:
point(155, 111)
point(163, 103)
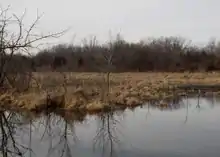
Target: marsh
point(189, 127)
point(121, 91)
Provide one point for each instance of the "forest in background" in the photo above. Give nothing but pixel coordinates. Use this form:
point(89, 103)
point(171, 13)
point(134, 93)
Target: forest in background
point(164, 54)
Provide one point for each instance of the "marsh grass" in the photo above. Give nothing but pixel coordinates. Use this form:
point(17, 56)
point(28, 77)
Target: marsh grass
point(91, 92)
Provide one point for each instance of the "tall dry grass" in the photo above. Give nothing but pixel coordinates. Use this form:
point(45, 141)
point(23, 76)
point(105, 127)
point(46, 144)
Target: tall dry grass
point(84, 91)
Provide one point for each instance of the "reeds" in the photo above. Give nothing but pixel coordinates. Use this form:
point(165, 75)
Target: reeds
point(84, 91)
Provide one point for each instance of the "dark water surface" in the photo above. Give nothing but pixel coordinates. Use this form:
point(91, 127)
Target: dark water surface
point(190, 128)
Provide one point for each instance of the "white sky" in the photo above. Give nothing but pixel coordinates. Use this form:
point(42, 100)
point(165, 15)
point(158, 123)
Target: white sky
point(197, 20)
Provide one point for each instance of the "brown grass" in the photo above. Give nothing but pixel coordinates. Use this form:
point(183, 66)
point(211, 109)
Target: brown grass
point(88, 91)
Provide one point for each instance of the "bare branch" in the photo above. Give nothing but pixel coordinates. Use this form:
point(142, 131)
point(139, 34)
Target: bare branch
point(31, 27)
point(20, 41)
point(20, 24)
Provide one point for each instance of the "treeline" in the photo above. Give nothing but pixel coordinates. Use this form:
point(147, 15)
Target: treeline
point(165, 54)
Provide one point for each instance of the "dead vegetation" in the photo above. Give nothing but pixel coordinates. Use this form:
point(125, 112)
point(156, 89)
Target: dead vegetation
point(85, 90)
point(22, 86)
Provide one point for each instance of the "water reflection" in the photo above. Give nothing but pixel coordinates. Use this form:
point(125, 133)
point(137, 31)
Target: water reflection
point(9, 123)
point(107, 133)
point(59, 130)
point(122, 133)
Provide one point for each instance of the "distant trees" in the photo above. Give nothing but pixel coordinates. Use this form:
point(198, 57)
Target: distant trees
point(58, 61)
point(80, 62)
point(172, 54)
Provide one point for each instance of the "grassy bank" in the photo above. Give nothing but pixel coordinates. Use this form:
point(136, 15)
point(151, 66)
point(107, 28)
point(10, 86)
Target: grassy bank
point(90, 92)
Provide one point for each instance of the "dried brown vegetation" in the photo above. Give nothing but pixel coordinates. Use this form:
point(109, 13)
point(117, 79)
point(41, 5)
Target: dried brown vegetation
point(85, 90)
point(51, 78)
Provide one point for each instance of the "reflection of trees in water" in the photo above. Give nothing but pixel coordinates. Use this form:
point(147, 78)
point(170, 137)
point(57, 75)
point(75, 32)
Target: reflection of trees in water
point(169, 104)
point(187, 110)
point(62, 147)
point(59, 130)
point(9, 122)
point(106, 136)
point(213, 99)
point(188, 105)
point(182, 102)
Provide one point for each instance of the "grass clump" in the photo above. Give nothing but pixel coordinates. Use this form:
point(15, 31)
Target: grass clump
point(84, 91)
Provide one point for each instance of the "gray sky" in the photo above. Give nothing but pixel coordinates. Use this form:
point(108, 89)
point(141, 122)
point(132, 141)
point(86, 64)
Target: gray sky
point(133, 19)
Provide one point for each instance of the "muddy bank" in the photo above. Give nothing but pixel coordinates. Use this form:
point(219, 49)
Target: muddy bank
point(88, 92)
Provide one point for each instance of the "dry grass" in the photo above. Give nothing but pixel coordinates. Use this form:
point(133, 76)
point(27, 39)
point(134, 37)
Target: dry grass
point(87, 91)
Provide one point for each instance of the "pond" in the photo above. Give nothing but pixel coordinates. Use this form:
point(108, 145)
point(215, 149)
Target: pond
point(188, 128)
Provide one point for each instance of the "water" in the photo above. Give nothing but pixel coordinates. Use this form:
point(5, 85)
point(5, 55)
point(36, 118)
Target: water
point(190, 128)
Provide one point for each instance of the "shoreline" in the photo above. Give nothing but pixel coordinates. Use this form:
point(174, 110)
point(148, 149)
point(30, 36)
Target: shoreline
point(126, 90)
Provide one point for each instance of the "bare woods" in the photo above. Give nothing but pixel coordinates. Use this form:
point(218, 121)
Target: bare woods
point(165, 54)
point(16, 69)
point(20, 86)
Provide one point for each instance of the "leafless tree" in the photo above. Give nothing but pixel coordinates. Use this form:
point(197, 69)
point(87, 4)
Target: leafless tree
point(109, 56)
point(21, 40)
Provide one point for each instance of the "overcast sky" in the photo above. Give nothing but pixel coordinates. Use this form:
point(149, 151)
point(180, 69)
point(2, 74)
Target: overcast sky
point(133, 19)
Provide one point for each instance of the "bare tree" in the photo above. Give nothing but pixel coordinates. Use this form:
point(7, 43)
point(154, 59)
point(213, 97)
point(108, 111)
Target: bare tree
point(109, 55)
point(20, 41)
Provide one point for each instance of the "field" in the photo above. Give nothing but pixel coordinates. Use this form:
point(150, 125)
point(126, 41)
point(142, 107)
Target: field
point(93, 91)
